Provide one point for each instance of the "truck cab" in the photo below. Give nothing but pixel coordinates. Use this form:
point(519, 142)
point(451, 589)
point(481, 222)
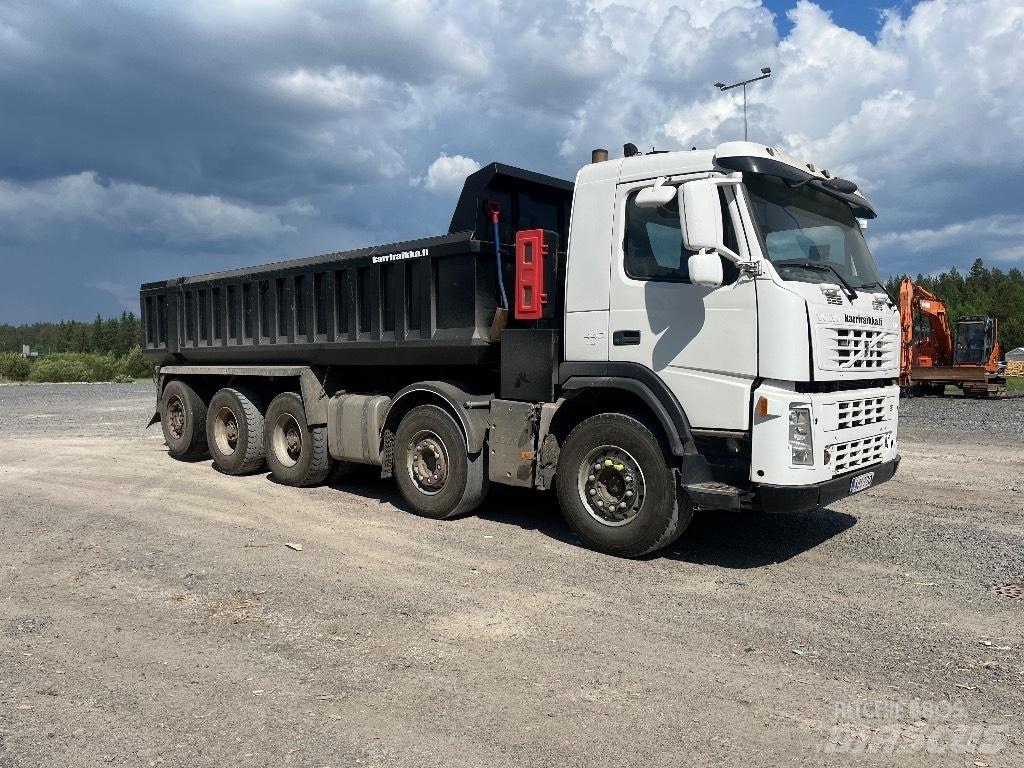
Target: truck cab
point(784, 361)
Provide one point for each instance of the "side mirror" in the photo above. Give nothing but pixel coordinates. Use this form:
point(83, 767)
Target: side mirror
point(702, 215)
point(705, 268)
point(656, 196)
point(702, 218)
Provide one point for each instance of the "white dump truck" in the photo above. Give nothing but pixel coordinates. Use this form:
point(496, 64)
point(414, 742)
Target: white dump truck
point(674, 331)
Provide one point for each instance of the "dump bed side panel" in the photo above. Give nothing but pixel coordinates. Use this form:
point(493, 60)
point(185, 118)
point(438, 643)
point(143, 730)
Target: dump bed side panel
point(425, 301)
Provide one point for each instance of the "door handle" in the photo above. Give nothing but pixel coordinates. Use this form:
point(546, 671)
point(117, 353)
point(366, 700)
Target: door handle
point(625, 338)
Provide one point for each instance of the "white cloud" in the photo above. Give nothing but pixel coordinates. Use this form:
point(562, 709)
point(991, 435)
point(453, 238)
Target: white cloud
point(447, 173)
point(127, 296)
point(1011, 254)
point(335, 89)
point(969, 233)
point(85, 200)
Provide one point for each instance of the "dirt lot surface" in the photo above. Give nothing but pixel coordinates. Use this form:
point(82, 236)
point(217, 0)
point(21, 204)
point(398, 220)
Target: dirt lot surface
point(151, 614)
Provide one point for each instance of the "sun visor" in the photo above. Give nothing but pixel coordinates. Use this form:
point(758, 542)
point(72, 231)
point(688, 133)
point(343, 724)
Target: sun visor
point(772, 166)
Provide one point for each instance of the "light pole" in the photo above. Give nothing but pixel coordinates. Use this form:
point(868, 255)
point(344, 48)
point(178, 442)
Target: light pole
point(765, 72)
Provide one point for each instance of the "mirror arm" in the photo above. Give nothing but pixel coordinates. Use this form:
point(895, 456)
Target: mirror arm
point(746, 267)
point(732, 256)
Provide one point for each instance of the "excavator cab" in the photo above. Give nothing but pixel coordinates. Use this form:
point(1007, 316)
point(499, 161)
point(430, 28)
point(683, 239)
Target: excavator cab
point(975, 340)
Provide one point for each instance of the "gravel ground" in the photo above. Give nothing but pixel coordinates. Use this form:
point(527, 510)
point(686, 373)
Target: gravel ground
point(151, 614)
point(957, 419)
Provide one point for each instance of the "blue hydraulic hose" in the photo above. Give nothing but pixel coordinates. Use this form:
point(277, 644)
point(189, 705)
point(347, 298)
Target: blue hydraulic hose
point(497, 259)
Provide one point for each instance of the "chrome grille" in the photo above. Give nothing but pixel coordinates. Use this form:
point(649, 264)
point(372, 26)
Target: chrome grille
point(859, 413)
point(859, 453)
point(858, 349)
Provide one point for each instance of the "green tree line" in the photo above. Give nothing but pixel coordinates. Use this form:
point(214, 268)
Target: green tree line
point(113, 336)
point(982, 291)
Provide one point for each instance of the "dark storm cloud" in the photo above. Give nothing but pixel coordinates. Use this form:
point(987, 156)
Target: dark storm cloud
point(145, 140)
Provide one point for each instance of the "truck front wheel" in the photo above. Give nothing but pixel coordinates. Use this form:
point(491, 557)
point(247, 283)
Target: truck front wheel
point(296, 452)
point(183, 420)
point(234, 431)
point(616, 489)
point(435, 474)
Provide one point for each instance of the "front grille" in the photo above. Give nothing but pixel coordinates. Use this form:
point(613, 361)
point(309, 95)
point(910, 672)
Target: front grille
point(858, 413)
point(858, 349)
point(858, 453)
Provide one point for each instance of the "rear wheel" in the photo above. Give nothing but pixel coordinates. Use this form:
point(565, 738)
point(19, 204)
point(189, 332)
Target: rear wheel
point(434, 472)
point(234, 431)
point(183, 420)
point(616, 489)
point(296, 452)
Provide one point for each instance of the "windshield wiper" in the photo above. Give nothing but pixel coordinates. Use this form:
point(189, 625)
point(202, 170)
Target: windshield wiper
point(892, 301)
point(821, 266)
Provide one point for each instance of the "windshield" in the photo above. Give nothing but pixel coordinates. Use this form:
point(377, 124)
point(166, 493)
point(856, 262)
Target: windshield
point(804, 230)
point(971, 344)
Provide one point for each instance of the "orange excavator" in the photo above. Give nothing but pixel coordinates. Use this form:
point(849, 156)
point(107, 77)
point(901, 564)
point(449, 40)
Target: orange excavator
point(932, 357)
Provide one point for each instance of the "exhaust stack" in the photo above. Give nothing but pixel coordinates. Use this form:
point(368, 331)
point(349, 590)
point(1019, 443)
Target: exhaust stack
point(599, 156)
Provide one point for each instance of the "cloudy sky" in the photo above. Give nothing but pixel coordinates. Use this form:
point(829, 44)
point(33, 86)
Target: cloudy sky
point(140, 141)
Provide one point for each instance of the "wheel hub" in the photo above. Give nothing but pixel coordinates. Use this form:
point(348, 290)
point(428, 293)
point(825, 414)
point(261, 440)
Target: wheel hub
point(428, 462)
point(176, 417)
point(294, 440)
point(286, 440)
point(226, 431)
point(611, 485)
point(231, 429)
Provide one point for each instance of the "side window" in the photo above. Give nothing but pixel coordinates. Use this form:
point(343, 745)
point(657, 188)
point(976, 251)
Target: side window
point(653, 243)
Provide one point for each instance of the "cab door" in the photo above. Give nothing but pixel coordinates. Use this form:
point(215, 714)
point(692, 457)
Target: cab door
point(701, 341)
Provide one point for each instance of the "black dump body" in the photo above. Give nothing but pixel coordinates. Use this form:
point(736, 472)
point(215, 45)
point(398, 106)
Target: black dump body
point(428, 301)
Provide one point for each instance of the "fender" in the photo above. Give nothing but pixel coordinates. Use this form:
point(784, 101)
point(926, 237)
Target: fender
point(311, 383)
point(472, 420)
point(642, 382)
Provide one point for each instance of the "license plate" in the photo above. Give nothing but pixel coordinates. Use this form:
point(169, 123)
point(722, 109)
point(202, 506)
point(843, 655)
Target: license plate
point(860, 482)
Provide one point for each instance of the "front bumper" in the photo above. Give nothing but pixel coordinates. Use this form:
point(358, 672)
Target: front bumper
point(803, 498)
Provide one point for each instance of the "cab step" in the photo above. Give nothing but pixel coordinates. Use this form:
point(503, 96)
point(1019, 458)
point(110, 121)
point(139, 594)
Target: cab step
point(715, 495)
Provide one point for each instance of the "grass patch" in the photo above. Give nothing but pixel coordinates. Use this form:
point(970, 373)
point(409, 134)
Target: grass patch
point(1015, 383)
point(75, 366)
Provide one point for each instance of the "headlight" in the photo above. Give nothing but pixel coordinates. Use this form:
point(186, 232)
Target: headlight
point(801, 442)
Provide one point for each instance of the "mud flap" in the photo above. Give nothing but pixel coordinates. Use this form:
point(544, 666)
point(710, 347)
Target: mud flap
point(155, 419)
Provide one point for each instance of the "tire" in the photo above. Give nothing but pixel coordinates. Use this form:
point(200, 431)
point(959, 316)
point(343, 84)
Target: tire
point(234, 431)
point(628, 506)
point(428, 440)
point(296, 453)
point(183, 420)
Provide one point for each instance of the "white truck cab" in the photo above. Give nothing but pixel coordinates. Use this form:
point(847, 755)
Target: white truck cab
point(785, 344)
